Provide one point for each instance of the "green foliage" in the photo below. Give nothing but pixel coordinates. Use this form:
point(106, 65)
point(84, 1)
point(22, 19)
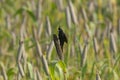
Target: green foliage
point(21, 18)
point(57, 70)
point(11, 72)
point(30, 13)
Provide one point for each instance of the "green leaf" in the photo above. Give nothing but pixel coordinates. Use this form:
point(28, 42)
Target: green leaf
point(31, 14)
point(30, 69)
point(62, 65)
point(19, 11)
point(84, 70)
point(11, 72)
point(57, 70)
point(61, 70)
point(52, 69)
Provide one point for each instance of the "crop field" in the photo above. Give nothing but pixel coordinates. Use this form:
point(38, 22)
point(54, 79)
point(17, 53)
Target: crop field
point(59, 39)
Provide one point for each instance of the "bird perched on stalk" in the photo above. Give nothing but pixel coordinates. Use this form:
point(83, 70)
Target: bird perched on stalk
point(62, 37)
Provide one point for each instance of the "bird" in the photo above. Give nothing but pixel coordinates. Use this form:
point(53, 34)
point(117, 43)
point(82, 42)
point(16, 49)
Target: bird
point(62, 37)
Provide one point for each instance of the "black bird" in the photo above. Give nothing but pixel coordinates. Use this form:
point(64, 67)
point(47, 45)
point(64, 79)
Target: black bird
point(62, 37)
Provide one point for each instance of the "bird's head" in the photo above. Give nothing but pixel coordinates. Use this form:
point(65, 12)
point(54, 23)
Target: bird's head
point(59, 29)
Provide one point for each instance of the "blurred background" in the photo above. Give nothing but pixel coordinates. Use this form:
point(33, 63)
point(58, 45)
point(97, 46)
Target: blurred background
point(27, 50)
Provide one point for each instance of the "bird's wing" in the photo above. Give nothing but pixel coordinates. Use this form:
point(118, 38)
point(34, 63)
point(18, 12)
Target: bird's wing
point(65, 38)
